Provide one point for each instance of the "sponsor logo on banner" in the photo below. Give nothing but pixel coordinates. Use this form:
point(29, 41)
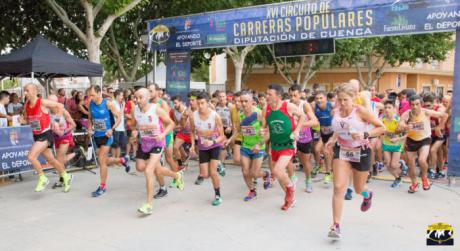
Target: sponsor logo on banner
point(440, 234)
point(159, 34)
point(188, 24)
point(217, 39)
point(216, 24)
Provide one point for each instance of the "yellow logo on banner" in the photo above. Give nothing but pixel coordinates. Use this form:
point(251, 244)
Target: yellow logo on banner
point(159, 34)
point(440, 234)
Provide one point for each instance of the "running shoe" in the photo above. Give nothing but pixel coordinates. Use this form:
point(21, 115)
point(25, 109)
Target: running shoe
point(413, 188)
point(349, 194)
point(221, 169)
point(289, 199)
point(99, 191)
point(267, 180)
point(294, 180)
point(396, 183)
point(145, 209)
point(173, 184)
point(334, 231)
point(374, 170)
point(404, 167)
point(380, 166)
point(309, 185)
point(315, 171)
point(367, 203)
point(125, 161)
point(217, 201)
point(327, 178)
point(42, 183)
point(180, 180)
point(426, 184)
point(67, 179)
point(251, 195)
point(161, 194)
point(431, 173)
point(199, 180)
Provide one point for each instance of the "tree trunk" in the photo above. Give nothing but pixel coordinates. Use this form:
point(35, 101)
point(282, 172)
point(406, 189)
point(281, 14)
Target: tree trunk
point(238, 75)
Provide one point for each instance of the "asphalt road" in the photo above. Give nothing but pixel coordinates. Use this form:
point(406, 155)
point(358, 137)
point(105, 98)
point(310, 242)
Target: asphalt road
point(53, 220)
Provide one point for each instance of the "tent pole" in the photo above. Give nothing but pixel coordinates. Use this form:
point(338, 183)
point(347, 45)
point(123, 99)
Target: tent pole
point(154, 72)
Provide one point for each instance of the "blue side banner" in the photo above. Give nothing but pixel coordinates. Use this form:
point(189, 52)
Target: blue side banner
point(15, 143)
point(303, 20)
point(454, 140)
point(178, 73)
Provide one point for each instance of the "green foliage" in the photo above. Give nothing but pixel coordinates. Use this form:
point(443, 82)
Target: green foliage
point(200, 73)
point(10, 83)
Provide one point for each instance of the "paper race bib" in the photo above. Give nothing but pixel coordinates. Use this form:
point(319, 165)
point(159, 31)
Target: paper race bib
point(99, 125)
point(148, 133)
point(316, 135)
point(391, 135)
point(35, 125)
point(419, 126)
point(326, 130)
point(225, 122)
point(350, 154)
point(248, 131)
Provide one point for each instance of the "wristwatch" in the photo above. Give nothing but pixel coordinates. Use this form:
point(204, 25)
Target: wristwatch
point(366, 135)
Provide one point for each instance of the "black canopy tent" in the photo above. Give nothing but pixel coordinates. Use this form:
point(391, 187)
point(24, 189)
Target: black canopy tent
point(41, 59)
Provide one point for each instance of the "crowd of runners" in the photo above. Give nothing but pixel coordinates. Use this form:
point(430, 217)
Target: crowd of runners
point(348, 135)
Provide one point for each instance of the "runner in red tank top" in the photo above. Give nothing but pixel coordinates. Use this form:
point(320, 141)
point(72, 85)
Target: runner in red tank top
point(38, 117)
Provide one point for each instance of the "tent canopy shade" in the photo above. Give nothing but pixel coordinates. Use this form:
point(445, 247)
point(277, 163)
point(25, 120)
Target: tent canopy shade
point(45, 60)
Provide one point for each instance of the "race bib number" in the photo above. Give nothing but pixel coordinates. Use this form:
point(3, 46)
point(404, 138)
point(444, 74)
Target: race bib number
point(391, 135)
point(35, 125)
point(99, 125)
point(326, 130)
point(315, 135)
point(352, 155)
point(248, 131)
point(148, 133)
point(420, 126)
point(225, 122)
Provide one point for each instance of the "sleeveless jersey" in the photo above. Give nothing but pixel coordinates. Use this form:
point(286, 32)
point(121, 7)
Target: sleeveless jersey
point(39, 121)
point(150, 119)
point(305, 134)
point(420, 127)
point(344, 126)
point(100, 115)
point(281, 125)
point(224, 113)
point(206, 130)
point(391, 126)
point(325, 118)
point(250, 130)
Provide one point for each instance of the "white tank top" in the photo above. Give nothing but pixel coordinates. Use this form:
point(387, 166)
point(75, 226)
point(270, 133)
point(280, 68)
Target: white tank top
point(345, 126)
point(148, 118)
point(224, 113)
point(205, 129)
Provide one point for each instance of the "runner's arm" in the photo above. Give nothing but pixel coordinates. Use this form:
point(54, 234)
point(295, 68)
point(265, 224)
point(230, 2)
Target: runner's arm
point(312, 120)
point(69, 120)
point(49, 104)
point(366, 116)
point(236, 129)
point(192, 131)
point(295, 112)
point(116, 114)
point(164, 116)
point(220, 129)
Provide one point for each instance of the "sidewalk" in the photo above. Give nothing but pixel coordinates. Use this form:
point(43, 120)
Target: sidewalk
point(52, 220)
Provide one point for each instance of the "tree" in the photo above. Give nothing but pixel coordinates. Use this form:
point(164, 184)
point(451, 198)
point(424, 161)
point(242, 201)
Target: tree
point(95, 25)
point(238, 56)
point(375, 53)
point(304, 67)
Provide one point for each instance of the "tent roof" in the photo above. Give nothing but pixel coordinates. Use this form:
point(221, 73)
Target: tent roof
point(45, 60)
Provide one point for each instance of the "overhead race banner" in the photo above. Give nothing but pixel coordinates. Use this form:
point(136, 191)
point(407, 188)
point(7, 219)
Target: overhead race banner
point(178, 66)
point(15, 143)
point(303, 20)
